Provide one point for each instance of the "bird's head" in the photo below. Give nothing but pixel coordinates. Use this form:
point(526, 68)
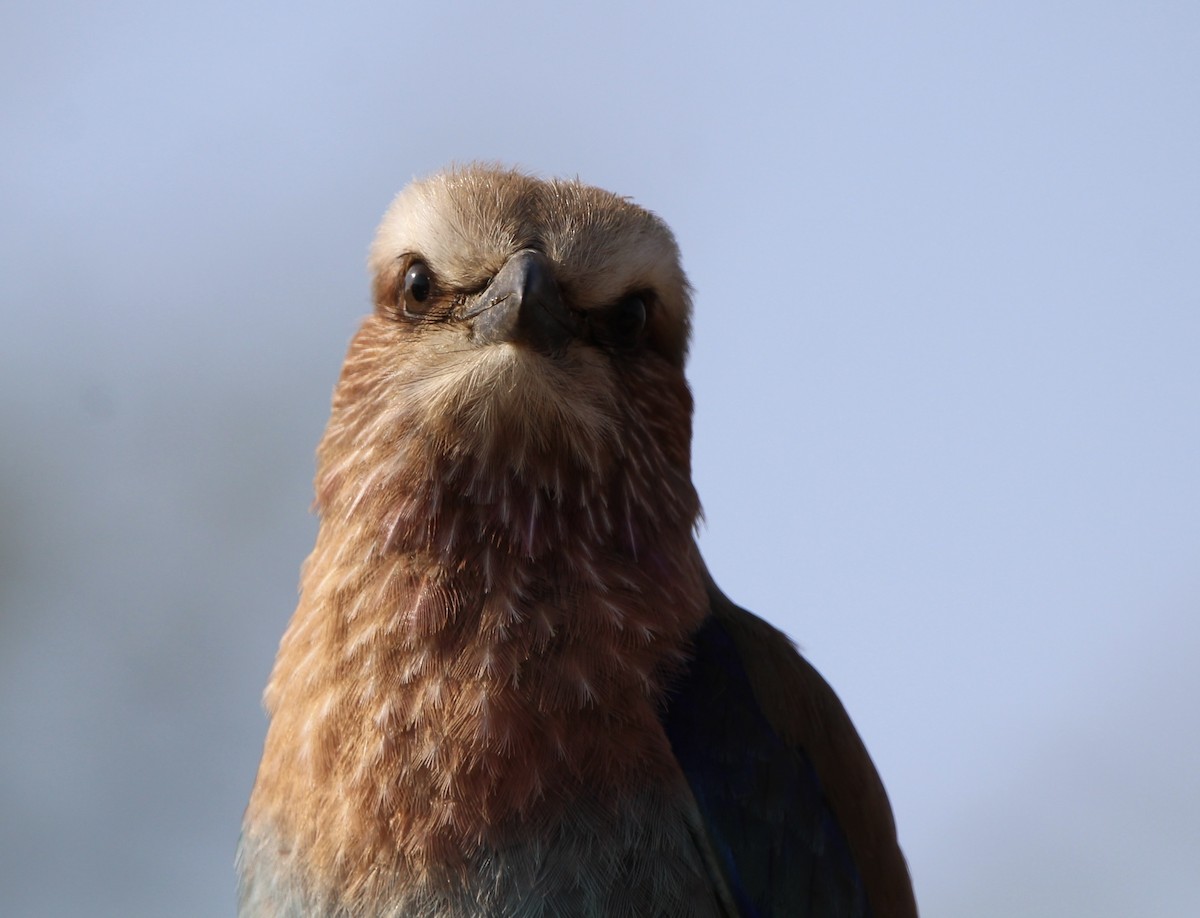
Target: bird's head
point(528, 336)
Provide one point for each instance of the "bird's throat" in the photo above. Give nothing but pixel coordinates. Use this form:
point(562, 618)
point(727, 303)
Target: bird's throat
point(424, 703)
point(488, 619)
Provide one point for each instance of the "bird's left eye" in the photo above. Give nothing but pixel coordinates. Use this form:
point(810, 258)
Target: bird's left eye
point(418, 289)
point(624, 322)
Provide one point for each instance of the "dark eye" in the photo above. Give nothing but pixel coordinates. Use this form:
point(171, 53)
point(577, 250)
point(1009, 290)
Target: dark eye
point(625, 322)
point(418, 287)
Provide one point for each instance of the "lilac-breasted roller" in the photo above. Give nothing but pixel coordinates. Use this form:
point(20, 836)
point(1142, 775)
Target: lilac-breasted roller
point(510, 687)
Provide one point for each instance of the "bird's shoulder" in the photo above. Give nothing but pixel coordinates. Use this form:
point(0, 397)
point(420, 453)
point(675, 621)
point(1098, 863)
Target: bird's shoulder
point(794, 809)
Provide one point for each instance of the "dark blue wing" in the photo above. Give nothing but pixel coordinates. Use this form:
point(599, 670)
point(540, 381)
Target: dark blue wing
point(768, 818)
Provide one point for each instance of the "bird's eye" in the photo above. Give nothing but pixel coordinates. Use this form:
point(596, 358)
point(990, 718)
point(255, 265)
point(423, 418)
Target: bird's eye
point(418, 289)
point(625, 321)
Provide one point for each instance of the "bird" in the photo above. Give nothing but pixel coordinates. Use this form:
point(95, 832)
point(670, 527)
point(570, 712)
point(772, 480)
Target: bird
point(511, 686)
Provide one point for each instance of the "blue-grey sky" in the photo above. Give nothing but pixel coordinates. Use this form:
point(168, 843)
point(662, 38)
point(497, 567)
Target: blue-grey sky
point(946, 360)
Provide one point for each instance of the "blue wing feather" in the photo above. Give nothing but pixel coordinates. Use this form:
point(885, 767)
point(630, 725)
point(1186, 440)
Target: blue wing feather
point(769, 821)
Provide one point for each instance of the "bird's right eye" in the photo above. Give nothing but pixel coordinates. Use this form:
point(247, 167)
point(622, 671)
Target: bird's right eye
point(417, 295)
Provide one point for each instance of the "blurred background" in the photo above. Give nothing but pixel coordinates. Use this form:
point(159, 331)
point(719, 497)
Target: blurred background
point(946, 363)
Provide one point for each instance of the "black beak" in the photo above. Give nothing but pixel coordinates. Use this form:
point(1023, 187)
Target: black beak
point(523, 304)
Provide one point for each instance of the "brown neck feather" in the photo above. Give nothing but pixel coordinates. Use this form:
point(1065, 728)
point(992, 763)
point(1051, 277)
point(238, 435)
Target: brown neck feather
point(483, 635)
